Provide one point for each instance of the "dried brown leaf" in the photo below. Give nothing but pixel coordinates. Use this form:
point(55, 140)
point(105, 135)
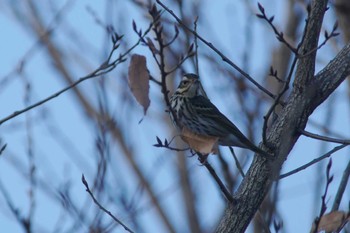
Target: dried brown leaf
point(139, 80)
point(201, 144)
point(332, 222)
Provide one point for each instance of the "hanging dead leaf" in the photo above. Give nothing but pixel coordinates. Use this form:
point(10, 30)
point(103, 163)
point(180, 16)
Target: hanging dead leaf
point(332, 222)
point(199, 143)
point(138, 80)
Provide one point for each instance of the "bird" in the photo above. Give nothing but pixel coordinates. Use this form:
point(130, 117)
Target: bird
point(193, 113)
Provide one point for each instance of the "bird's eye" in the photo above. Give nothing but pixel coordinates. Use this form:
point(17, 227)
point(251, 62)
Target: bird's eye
point(185, 82)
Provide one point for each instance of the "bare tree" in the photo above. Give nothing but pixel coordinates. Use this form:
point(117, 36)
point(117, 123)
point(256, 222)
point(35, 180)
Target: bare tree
point(137, 172)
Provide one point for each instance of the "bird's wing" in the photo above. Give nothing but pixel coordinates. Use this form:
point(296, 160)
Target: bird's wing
point(211, 114)
point(220, 125)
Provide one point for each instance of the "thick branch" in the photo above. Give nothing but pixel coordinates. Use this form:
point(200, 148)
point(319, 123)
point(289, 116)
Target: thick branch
point(282, 137)
point(306, 65)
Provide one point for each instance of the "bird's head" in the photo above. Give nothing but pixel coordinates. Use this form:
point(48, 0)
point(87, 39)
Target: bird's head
point(190, 86)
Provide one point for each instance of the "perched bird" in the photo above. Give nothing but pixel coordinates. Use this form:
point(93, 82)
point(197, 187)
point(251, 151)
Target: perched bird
point(197, 117)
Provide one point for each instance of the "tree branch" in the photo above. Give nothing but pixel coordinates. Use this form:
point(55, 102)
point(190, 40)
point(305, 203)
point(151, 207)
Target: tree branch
point(303, 100)
point(217, 51)
point(101, 207)
point(104, 68)
point(217, 179)
point(341, 189)
point(324, 138)
point(306, 66)
point(328, 154)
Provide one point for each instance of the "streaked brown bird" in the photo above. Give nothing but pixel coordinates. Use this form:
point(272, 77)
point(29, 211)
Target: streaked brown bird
point(193, 113)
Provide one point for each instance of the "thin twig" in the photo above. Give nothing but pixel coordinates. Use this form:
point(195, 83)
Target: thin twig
point(328, 154)
point(327, 37)
point(31, 158)
point(3, 148)
point(182, 60)
point(217, 51)
point(153, 79)
point(101, 207)
point(324, 138)
point(172, 148)
point(104, 68)
point(238, 165)
point(158, 31)
point(342, 186)
point(329, 179)
point(160, 52)
point(166, 144)
point(196, 47)
point(174, 37)
point(278, 98)
point(225, 167)
point(279, 35)
point(14, 210)
point(273, 73)
point(291, 70)
point(212, 172)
